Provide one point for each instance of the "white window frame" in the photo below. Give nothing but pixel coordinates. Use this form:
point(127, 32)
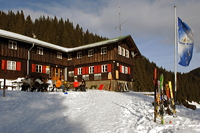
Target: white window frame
point(38, 68)
point(11, 65)
point(85, 77)
point(126, 70)
point(80, 71)
point(104, 68)
point(90, 52)
point(69, 56)
point(127, 53)
point(39, 50)
point(119, 50)
point(71, 73)
point(91, 69)
point(122, 69)
point(12, 45)
point(103, 50)
point(97, 76)
point(59, 55)
point(79, 55)
point(123, 52)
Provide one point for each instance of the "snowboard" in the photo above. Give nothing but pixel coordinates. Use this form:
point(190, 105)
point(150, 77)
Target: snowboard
point(172, 98)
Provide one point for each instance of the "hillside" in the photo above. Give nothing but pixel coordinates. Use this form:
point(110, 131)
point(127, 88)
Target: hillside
point(56, 31)
point(188, 84)
point(94, 111)
point(195, 72)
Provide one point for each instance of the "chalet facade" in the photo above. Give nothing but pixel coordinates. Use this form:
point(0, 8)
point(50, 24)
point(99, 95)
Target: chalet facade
point(106, 62)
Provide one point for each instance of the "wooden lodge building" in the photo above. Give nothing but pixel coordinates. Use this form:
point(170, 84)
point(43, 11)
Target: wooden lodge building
point(107, 62)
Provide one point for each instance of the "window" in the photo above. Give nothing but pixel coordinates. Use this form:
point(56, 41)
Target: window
point(127, 53)
point(40, 50)
point(91, 69)
point(123, 51)
point(11, 65)
point(97, 76)
point(85, 77)
point(12, 45)
point(104, 68)
point(126, 70)
point(79, 70)
point(69, 57)
point(119, 50)
point(38, 68)
point(90, 53)
point(71, 73)
point(59, 55)
point(79, 55)
point(103, 50)
point(122, 69)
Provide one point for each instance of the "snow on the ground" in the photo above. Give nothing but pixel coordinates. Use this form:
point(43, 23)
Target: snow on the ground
point(94, 111)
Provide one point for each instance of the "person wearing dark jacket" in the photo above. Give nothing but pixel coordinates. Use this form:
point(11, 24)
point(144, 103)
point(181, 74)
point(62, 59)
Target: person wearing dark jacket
point(83, 85)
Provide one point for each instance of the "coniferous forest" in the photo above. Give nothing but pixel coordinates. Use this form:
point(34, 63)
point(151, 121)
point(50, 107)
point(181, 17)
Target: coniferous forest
point(60, 32)
point(64, 33)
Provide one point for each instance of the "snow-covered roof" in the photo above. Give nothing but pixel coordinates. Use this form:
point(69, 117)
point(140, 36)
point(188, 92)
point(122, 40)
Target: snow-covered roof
point(19, 37)
point(15, 36)
point(98, 43)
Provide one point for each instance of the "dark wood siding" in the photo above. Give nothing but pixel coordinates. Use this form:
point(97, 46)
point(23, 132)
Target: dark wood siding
point(21, 51)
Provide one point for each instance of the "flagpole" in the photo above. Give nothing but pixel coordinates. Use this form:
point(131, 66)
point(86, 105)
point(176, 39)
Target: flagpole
point(175, 62)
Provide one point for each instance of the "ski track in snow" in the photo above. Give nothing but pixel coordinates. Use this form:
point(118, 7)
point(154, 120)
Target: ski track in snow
point(93, 111)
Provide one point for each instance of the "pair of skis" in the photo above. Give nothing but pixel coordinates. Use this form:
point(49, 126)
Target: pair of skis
point(161, 100)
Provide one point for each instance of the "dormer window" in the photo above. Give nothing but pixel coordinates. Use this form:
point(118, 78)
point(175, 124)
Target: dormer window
point(12, 45)
point(39, 50)
point(59, 55)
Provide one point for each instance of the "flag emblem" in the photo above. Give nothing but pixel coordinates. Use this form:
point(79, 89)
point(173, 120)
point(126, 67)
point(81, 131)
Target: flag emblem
point(185, 43)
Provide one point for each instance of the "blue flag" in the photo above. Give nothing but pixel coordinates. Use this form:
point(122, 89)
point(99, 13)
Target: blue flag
point(185, 43)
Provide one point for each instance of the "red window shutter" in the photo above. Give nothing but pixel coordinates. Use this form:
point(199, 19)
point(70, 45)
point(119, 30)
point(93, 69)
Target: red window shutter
point(95, 69)
point(109, 67)
point(75, 71)
point(18, 66)
point(129, 70)
point(86, 70)
point(43, 69)
point(83, 70)
point(120, 68)
point(3, 64)
point(33, 68)
point(99, 69)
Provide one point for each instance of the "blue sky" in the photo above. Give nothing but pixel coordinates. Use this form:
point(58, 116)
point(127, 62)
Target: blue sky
point(149, 22)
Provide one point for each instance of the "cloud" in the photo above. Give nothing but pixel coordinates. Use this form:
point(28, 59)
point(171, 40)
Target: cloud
point(149, 22)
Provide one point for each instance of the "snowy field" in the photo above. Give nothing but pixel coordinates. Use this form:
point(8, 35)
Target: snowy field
point(94, 111)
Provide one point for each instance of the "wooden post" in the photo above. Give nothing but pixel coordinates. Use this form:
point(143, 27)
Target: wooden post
point(155, 87)
point(4, 83)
